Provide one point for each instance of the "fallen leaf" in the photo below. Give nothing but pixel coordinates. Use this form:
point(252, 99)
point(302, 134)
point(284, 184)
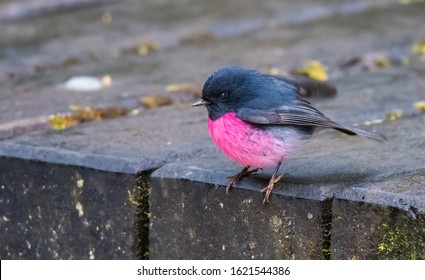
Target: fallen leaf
point(87, 114)
point(70, 61)
point(373, 61)
point(419, 48)
point(381, 61)
point(372, 122)
point(313, 69)
point(185, 87)
point(113, 112)
point(134, 112)
point(62, 121)
point(143, 49)
point(420, 105)
point(73, 107)
point(155, 101)
point(106, 18)
point(197, 38)
point(350, 62)
point(394, 115)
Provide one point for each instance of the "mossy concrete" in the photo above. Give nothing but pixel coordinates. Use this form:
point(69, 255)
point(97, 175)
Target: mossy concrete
point(383, 220)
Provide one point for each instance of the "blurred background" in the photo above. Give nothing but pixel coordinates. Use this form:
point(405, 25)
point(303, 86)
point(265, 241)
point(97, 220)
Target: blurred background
point(135, 54)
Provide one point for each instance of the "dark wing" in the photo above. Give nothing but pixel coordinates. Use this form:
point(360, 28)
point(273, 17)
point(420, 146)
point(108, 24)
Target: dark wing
point(300, 112)
point(310, 88)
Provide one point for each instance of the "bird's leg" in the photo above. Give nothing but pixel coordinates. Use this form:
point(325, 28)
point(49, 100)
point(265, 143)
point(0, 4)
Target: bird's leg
point(236, 178)
point(268, 190)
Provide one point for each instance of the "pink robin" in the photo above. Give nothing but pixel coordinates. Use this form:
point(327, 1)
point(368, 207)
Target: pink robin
point(260, 120)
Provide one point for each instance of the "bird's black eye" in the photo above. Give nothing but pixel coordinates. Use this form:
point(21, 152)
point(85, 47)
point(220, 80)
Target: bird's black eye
point(223, 96)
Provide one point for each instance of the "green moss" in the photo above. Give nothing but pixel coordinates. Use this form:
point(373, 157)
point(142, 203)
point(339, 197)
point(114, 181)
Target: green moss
point(139, 199)
point(275, 223)
point(404, 238)
point(326, 228)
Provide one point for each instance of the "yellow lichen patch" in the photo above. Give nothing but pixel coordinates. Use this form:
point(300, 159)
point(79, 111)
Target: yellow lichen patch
point(372, 122)
point(420, 105)
point(275, 223)
point(184, 87)
point(132, 198)
point(394, 115)
point(313, 69)
point(80, 183)
point(192, 233)
point(155, 101)
point(79, 208)
point(91, 255)
point(62, 121)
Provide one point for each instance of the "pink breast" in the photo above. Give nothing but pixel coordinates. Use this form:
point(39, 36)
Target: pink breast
point(245, 143)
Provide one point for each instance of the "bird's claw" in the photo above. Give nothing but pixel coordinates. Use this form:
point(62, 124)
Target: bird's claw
point(237, 177)
point(268, 190)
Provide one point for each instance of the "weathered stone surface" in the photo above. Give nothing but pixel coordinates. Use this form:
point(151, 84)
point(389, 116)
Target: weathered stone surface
point(381, 220)
point(127, 145)
point(371, 231)
point(53, 211)
point(331, 164)
point(197, 220)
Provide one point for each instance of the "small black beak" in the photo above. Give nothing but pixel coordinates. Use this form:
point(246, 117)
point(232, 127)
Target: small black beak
point(201, 102)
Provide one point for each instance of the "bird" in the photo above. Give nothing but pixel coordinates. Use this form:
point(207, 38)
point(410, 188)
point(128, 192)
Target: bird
point(259, 120)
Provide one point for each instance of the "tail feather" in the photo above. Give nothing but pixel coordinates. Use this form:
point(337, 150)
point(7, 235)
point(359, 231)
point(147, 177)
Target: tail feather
point(351, 130)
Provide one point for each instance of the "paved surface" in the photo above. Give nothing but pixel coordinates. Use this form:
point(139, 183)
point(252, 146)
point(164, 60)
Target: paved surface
point(143, 48)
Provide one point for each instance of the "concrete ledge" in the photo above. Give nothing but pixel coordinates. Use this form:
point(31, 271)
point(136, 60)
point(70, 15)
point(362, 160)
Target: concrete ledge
point(197, 220)
point(383, 220)
point(51, 211)
point(123, 145)
point(333, 202)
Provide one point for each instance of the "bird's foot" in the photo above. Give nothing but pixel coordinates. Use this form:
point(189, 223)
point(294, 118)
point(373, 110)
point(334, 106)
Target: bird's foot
point(236, 178)
point(268, 190)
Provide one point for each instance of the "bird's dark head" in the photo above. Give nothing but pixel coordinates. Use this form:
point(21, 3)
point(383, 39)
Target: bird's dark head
point(232, 88)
